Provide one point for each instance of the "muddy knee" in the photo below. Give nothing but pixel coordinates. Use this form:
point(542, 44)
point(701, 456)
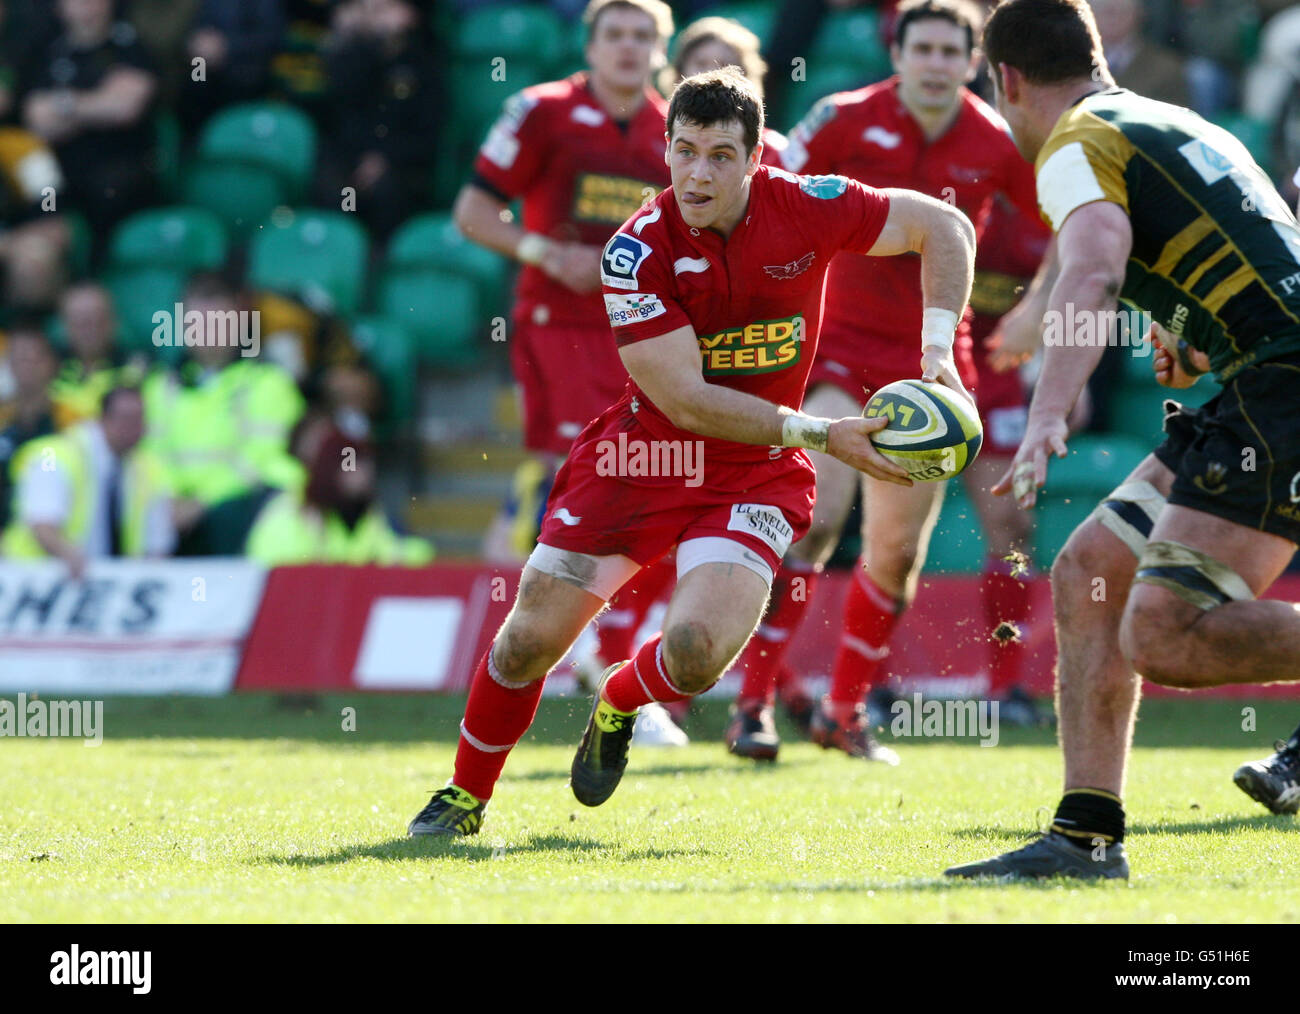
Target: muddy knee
point(692, 656)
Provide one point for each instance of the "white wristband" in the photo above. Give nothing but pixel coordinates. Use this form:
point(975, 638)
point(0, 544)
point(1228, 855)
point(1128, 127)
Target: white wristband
point(939, 328)
point(805, 431)
point(532, 248)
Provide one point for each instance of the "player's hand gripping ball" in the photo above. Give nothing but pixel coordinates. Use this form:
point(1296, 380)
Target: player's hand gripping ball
point(933, 432)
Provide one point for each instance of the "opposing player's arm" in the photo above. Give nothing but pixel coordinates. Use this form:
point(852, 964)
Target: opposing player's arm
point(1019, 332)
point(1093, 245)
point(667, 368)
point(945, 239)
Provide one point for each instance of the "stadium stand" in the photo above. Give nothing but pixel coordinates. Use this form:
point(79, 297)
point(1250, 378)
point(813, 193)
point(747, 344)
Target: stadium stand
point(228, 173)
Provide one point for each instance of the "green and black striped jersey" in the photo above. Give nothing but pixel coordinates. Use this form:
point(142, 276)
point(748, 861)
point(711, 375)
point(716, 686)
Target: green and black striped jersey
point(1216, 251)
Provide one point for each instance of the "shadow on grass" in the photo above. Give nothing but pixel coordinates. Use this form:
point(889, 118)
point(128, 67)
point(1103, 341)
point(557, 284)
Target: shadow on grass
point(431, 847)
point(1261, 822)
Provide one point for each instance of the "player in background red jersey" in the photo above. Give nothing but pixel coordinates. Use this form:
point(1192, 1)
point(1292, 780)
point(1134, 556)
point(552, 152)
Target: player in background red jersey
point(925, 130)
point(583, 154)
point(714, 293)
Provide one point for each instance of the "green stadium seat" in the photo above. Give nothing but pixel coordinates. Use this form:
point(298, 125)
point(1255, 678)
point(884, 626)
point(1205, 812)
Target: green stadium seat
point(191, 238)
point(241, 196)
point(1055, 519)
point(433, 240)
point(318, 256)
point(138, 293)
point(478, 102)
point(852, 37)
point(758, 17)
point(957, 545)
point(274, 135)
point(388, 347)
point(528, 32)
point(439, 309)
point(79, 243)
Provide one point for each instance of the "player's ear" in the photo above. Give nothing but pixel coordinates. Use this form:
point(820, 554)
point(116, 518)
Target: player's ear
point(973, 65)
point(895, 54)
point(668, 148)
point(755, 158)
point(1009, 82)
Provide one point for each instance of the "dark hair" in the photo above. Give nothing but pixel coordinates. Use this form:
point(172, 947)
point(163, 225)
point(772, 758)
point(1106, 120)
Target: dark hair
point(960, 13)
point(1048, 41)
point(660, 13)
point(113, 393)
point(718, 96)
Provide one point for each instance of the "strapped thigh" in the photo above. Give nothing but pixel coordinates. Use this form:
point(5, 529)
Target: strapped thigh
point(1193, 576)
point(1130, 512)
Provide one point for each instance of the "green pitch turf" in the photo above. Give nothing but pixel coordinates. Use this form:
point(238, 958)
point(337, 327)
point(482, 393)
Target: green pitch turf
point(252, 809)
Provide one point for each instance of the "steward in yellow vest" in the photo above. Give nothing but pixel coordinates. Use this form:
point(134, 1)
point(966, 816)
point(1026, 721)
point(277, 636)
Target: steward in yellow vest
point(90, 492)
point(333, 518)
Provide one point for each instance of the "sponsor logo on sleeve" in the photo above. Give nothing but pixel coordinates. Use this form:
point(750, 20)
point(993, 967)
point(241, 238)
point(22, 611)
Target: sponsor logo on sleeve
point(623, 255)
point(632, 308)
point(501, 148)
point(763, 521)
point(824, 187)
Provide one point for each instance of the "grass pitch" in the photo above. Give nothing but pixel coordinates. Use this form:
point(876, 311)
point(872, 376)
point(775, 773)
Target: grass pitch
point(244, 809)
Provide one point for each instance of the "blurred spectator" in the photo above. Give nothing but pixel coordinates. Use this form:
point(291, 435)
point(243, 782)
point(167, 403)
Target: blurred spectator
point(33, 242)
point(93, 363)
point(316, 349)
point(221, 427)
point(298, 65)
point(333, 517)
point(235, 39)
point(90, 100)
point(1216, 38)
point(163, 27)
point(384, 112)
point(91, 492)
point(1276, 73)
point(26, 411)
point(1138, 64)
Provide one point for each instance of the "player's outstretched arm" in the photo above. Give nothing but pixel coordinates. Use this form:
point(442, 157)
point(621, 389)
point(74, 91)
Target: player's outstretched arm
point(667, 369)
point(479, 216)
point(945, 239)
point(1093, 247)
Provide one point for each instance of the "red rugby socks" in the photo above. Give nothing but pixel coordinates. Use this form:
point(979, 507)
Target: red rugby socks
point(496, 717)
point(870, 615)
point(641, 681)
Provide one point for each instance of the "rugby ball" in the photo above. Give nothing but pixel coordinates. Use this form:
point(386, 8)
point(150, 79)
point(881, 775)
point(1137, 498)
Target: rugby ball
point(933, 432)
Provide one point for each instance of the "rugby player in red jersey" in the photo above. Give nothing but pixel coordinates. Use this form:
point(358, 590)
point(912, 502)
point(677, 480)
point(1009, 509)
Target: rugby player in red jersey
point(582, 154)
point(714, 293)
point(925, 130)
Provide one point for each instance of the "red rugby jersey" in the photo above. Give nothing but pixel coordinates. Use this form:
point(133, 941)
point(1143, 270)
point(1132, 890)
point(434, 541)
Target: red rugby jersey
point(580, 176)
point(1010, 249)
point(753, 299)
point(869, 135)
